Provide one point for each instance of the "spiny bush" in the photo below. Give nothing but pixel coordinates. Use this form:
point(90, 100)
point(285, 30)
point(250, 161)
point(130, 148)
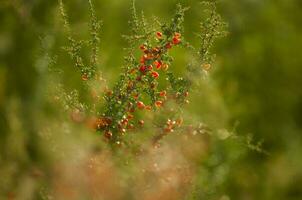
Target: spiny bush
point(147, 86)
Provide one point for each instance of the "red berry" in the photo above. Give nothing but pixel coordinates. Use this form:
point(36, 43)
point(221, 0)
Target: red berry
point(155, 50)
point(154, 74)
point(150, 67)
point(140, 105)
point(142, 60)
point(163, 93)
point(142, 68)
point(186, 94)
point(159, 34)
point(142, 47)
point(130, 116)
point(157, 64)
point(178, 35)
point(158, 103)
point(84, 77)
point(168, 45)
point(125, 121)
point(176, 40)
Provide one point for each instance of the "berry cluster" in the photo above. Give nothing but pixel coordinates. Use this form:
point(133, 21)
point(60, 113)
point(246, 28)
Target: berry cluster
point(142, 79)
point(147, 84)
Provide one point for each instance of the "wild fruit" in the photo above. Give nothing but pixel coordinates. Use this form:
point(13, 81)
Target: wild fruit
point(158, 103)
point(159, 35)
point(140, 105)
point(154, 74)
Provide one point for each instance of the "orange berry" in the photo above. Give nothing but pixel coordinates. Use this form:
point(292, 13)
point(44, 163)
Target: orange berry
point(157, 64)
point(150, 67)
point(142, 47)
point(125, 121)
point(176, 40)
point(168, 130)
point(163, 93)
point(130, 116)
point(142, 60)
point(154, 74)
point(84, 77)
point(158, 103)
point(140, 105)
point(178, 35)
point(159, 35)
point(148, 108)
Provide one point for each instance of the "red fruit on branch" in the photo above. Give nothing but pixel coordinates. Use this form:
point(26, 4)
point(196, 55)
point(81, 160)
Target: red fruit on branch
point(84, 77)
point(177, 35)
point(168, 130)
point(130, 116)
point(125, 121)
point(158, 103)
point(150, 67)
point(159, 35)
point(163, 93)
point(142, 47)
point(176, 40)
point(142, 60)
point(157, 64)
point(140, 105)
point(154, 74)
point(168, 45)
point(142, 69)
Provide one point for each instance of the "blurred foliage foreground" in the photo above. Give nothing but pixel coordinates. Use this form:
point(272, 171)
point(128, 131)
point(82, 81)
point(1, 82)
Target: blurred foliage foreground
point(70, 128)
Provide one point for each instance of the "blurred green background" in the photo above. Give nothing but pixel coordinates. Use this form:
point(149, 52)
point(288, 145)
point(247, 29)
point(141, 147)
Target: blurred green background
point(258, 78)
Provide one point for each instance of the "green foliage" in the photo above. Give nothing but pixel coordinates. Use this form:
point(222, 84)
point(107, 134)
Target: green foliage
point(88, 70)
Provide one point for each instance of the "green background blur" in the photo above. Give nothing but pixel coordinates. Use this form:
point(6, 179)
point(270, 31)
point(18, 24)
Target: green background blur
point(258, 77)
